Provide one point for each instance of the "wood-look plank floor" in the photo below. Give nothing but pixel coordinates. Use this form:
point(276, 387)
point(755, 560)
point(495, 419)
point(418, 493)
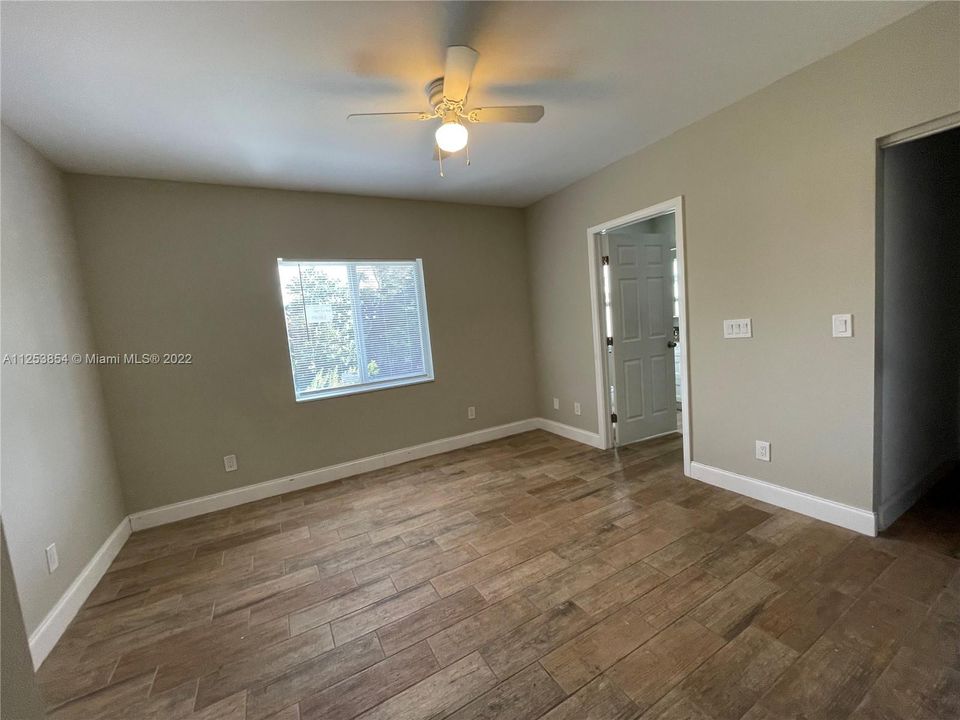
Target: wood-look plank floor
point(531, 577)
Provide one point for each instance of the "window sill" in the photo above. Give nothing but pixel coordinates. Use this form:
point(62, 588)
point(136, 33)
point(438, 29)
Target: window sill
point(360, 389)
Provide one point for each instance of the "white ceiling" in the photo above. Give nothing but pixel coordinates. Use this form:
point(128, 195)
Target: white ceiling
point(257, 93)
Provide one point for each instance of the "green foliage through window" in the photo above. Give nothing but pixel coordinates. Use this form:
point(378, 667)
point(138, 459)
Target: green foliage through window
point(354, 324)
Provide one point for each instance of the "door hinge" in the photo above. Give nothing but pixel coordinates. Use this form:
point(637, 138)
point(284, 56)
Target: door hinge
point(605, 260)
point(609, 342)
point(613, 417)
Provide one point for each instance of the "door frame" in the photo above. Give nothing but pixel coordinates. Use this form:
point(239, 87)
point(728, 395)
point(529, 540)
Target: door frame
point(915, 132)
point(594, 254)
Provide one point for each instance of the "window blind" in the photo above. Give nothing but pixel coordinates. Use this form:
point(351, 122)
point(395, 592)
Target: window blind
point(354, 326)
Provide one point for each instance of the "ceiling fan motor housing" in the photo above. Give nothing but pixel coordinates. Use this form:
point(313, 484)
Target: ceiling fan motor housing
point(434, 92)
point(442, 105)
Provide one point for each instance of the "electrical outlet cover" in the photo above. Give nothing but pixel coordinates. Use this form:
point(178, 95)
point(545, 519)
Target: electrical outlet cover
point(742, 328)
point(763, 451)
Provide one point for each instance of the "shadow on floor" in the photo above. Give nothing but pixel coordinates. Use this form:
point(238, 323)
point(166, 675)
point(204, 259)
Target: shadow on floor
point(934, 522)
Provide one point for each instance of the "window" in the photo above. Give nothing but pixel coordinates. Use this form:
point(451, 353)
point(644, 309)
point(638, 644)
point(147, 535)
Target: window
point(355, 326)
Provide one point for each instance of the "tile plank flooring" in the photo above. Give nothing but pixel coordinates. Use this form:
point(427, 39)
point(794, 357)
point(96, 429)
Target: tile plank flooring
point(531, 577)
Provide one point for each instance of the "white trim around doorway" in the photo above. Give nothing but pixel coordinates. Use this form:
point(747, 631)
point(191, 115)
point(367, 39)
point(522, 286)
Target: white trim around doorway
point(594, 253)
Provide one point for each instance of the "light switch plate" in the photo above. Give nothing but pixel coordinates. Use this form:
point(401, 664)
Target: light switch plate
point(576, 408)
point(471, 413)
point(843, 325)
point(556, 403)
point(229, 463)
point(742, 328)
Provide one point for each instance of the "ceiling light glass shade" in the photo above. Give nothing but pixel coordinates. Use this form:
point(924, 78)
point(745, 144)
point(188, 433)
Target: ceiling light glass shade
point(451, 137)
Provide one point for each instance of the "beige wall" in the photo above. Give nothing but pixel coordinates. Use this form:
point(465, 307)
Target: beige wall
point(59, 476)
point(180, 267)
point(19, 697)
point(780, 195)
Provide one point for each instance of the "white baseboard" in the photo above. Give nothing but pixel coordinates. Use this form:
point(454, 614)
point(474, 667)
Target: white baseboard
point(239, 496)
point(46, 635)
point(571, 433)
point(852, 518)
point(48, 632)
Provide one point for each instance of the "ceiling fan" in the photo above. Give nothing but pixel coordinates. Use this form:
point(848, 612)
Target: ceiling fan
point(448, 95)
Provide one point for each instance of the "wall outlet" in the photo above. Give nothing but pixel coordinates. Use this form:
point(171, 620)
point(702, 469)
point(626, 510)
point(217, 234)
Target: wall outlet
point(229, 463)
point(471, 413)
point(742, 328)
point(556, 403)
point(576, 408)
point(763, 451)
point(53, 560)
point(843, 325)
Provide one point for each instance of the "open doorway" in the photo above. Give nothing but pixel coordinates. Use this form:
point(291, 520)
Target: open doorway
point(639, 322)
point(917, 391)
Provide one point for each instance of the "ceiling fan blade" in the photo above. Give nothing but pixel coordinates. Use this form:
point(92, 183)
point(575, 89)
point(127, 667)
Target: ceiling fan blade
point(456, 76)
point(510, 113)
point(394, 115)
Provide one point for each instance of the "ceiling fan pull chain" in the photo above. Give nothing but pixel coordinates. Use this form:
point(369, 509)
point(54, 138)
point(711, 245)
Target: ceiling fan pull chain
point(440, 159)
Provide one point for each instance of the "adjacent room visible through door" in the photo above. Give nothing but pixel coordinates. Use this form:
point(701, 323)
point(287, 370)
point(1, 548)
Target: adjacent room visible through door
point(639, 323)
point(918, 313)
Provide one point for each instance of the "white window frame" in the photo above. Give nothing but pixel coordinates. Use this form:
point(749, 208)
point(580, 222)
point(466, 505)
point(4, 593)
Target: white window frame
point(366, 385)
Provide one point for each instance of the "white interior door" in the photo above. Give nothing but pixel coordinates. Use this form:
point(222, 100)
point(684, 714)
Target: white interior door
point(641, 299)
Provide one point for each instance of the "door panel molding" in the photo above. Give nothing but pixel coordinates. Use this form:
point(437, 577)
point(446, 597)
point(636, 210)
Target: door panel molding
point(631, 322)
point(658, 370)
point(633, 377)
point(655, 308)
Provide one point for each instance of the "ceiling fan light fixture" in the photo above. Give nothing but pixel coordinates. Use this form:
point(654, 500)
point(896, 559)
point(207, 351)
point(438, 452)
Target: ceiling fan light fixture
point(451, 136)
point(447, 96)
